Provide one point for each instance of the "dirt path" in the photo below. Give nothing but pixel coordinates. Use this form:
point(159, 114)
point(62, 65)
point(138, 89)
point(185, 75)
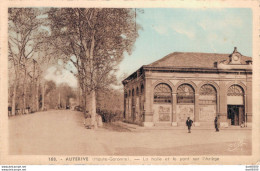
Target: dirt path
point(51, 132)
point(62, 133)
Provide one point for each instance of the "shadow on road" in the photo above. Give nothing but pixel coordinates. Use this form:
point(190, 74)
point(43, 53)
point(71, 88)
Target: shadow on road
point(115, 127)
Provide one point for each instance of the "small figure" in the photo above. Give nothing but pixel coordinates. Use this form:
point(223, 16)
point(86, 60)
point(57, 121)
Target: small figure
point(9, 111)
point(189, 124)
point(216, 124)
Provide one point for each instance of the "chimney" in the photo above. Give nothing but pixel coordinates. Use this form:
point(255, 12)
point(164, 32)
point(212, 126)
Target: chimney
point(235, 50)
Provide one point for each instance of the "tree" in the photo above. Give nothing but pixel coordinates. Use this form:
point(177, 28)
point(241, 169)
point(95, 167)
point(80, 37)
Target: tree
point(94, 40)
point(111, 100)
point(50, 91)
point(28, 54)
point(23, 26)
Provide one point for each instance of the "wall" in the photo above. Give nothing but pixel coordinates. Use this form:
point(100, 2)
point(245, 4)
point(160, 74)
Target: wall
point(134, 112)
point(221, 82)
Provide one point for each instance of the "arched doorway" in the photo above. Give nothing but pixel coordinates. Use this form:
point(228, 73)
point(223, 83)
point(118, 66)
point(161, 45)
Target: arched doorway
point(235, 105)
point(185, 102)
point(207, 103)
point(162, 103)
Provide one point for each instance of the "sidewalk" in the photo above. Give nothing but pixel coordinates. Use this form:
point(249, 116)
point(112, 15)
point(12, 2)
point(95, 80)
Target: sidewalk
point(134, 127)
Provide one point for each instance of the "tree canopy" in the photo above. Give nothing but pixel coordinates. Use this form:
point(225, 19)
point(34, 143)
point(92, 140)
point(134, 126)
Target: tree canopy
point(94, 40)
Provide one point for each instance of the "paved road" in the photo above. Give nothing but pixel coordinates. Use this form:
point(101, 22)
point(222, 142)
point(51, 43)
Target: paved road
point(62, 133)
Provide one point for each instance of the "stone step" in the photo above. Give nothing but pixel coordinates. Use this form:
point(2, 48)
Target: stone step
point(193, 128)
point(168, 126)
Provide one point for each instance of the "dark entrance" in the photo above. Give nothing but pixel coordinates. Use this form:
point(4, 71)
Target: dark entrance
point(133, 105)
point(133, 113)
point(236, 114)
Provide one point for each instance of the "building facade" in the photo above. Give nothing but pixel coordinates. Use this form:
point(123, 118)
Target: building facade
point(196, 85)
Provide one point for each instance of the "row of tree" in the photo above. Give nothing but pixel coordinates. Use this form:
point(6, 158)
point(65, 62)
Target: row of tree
point(93, 40)
point(27, 58)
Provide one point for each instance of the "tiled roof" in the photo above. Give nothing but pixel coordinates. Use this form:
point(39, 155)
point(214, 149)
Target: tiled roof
point(191, 59)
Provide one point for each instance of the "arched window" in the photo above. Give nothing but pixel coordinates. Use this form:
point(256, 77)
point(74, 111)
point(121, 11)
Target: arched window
point(129, 94)
point(133, 101)
point(125, 93)
point(162, 93)
point(235, 90)
point(208, 94)
point(142, 89)
point(208, 89)
point(185, 94)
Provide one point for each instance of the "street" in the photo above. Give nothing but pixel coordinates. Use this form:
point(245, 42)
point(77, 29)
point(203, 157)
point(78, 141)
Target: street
point(61, 132)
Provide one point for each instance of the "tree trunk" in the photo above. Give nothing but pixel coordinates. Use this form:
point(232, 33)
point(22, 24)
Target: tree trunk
point(43, 92)
point(85, 95)
point(24, 91)
point(93, 108)
point(15, 88)
point(33, 89)
point(14, 98)
point(79, 94)
point(37, 94)
point(92, 92)
point(59, 101)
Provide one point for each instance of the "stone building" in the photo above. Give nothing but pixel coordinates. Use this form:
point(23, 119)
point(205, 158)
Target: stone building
point(196, 85)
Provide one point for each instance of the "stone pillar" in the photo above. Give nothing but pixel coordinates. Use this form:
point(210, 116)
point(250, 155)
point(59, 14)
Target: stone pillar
point(148, 105)
point(137, 107)
point(174, 114)
point(130, 109)
point(124, 114)
point(217, 104)
point(142, 106)
point(127, 107)
point(248, 99)
point(196, 110)
point(245, 109)
point(223, 104)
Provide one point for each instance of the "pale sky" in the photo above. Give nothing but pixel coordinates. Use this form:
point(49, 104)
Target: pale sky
point(185, 30)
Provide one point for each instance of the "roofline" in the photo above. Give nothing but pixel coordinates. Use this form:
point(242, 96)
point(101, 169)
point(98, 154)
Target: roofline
point(228, 55)
point(133, 73)
point(145, 67)
point(192, 69)
point(188, 69)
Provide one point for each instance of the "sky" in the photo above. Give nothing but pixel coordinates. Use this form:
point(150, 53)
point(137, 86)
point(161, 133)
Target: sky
point(168, 30)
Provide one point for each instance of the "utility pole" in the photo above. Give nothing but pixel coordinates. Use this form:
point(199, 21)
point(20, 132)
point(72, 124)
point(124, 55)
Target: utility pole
point(33, 89)
point(43, 96)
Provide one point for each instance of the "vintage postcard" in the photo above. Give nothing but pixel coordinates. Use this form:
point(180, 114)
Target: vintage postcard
point(129, 82)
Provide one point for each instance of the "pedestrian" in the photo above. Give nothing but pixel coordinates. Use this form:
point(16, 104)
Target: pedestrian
point(189, 124)
point(216, 121)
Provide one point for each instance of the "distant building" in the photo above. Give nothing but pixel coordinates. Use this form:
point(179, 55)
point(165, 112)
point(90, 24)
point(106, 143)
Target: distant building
point(196, 85)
